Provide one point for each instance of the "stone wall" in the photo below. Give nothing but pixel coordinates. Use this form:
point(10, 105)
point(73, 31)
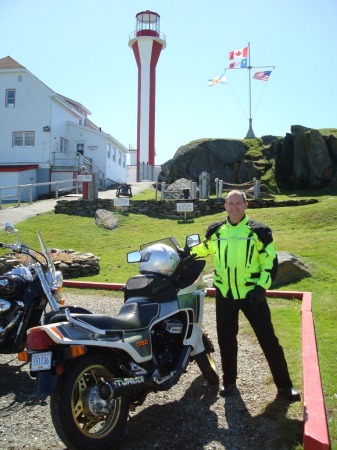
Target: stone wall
point(72, 264)
point(164, 208)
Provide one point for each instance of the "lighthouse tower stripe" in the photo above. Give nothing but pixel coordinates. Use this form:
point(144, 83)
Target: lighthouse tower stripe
point(156, 49)
point(146, 52)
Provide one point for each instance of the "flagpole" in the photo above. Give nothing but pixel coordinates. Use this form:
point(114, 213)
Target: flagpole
point(234, 65)
point(250, 134)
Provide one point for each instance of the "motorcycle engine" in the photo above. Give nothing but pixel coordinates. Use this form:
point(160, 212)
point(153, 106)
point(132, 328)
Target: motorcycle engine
point(166, 344)
point(9, 314)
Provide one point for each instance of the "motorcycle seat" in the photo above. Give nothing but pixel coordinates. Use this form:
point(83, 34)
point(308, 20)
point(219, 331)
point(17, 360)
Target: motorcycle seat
point(132, 316)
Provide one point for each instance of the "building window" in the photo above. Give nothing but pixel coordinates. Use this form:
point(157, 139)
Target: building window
point(124, 160)
point(64, 145)
point(115, 153)
point(80, 148)
point(23, 139)
point(10, 98)
point(109, 151)
point(119, 158)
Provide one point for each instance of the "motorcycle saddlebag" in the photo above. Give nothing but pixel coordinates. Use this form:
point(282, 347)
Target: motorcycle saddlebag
point(10, 284)
point(156, 288)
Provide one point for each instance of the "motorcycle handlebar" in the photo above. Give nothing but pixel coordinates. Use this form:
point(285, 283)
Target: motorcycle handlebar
point(15, 247)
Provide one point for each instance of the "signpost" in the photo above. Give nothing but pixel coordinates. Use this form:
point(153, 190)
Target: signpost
point(184, 207)
point(85, 179)
point(119, 201)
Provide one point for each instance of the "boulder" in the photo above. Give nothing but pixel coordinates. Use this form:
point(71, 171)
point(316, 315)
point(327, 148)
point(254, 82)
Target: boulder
point(290, 269)
point(106, 219)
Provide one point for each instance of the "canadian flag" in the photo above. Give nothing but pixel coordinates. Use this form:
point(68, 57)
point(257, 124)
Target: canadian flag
point(239, 54)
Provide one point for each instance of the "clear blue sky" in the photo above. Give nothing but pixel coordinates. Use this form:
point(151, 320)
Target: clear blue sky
point(79, 48)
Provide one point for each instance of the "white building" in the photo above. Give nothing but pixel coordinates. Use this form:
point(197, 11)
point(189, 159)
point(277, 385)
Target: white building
point(47, 137)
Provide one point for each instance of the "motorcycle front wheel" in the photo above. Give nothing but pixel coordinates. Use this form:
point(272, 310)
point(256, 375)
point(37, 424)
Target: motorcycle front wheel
point(207, 367)
point(206, 362)
point(81, 419)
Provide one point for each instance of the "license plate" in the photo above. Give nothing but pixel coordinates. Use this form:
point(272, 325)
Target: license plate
point(40, 361)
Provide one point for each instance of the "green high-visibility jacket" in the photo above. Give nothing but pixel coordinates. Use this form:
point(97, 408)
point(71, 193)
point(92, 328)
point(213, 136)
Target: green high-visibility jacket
point(244, 256)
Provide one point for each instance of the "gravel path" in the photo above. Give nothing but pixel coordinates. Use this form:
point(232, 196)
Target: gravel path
point(188, 416)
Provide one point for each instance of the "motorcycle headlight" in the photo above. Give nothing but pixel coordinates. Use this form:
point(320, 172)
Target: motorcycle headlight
point(57, 286)
point(58, 280)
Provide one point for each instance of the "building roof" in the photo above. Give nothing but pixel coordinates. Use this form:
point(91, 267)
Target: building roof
point(76, 104)
point(10, 63)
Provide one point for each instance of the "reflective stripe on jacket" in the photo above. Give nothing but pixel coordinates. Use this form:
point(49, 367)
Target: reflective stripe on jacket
point(241, 260)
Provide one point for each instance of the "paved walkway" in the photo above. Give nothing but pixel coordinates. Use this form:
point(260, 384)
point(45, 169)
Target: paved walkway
point(17, 214)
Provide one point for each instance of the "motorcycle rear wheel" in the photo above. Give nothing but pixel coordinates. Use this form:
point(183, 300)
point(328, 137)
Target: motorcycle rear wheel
point(73, 418)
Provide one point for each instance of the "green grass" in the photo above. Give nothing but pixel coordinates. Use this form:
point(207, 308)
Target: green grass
point(309, 232)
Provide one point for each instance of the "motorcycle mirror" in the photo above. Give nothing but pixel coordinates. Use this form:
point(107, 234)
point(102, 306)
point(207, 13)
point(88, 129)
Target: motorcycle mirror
point(133, 257)
point(192, 240)
point(10, 229)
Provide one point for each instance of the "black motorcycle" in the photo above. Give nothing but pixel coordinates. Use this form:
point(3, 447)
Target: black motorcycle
point(29, 294)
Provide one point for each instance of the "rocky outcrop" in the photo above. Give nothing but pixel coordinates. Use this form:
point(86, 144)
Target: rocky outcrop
point(304, 158)
point(221, 158)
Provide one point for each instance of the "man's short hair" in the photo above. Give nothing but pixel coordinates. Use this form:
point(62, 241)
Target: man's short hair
point(235, 191)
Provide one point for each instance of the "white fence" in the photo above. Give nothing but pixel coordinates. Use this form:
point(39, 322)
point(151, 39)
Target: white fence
point(27, 190)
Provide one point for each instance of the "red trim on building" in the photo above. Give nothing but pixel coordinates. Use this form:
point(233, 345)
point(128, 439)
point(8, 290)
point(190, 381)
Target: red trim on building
point(18, 168)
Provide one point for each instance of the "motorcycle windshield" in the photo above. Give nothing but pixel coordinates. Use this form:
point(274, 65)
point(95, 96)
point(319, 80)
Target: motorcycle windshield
point(170, 241)
point(46, 253)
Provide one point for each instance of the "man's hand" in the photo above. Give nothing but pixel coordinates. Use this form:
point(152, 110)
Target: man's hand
point(256, 296)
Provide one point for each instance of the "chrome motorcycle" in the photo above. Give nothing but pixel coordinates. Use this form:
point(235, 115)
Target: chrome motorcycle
point(96, 367)
point(29, 294)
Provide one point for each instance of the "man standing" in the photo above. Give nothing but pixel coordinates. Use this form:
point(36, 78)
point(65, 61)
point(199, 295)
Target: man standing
point(244, 261)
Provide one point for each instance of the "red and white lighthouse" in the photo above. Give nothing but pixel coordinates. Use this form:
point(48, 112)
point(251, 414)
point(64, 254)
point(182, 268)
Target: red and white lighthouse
point(146, 42)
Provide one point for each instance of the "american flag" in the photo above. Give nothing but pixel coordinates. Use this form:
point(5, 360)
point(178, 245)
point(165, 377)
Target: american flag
point(264, 76)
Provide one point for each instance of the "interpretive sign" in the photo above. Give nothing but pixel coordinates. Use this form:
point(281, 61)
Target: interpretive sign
point(118, 201)
point(184, 207)
point(84, 178)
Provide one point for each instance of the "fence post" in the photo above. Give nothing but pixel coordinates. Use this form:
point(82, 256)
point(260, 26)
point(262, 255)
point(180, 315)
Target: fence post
point(193, 189)
point(19, 195)
point(163, 187)
point(156, 196)
point(204, 185)
point(31, 194)
point(220, 188)
point(256, 188)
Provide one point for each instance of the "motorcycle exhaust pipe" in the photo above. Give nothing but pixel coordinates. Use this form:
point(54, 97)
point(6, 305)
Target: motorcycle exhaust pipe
point(116, 387)
point(181, 366)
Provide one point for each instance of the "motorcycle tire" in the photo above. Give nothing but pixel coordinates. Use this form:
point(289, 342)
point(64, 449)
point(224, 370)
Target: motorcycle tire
point(207, 367)
point(75, 421)
point(206, 362)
